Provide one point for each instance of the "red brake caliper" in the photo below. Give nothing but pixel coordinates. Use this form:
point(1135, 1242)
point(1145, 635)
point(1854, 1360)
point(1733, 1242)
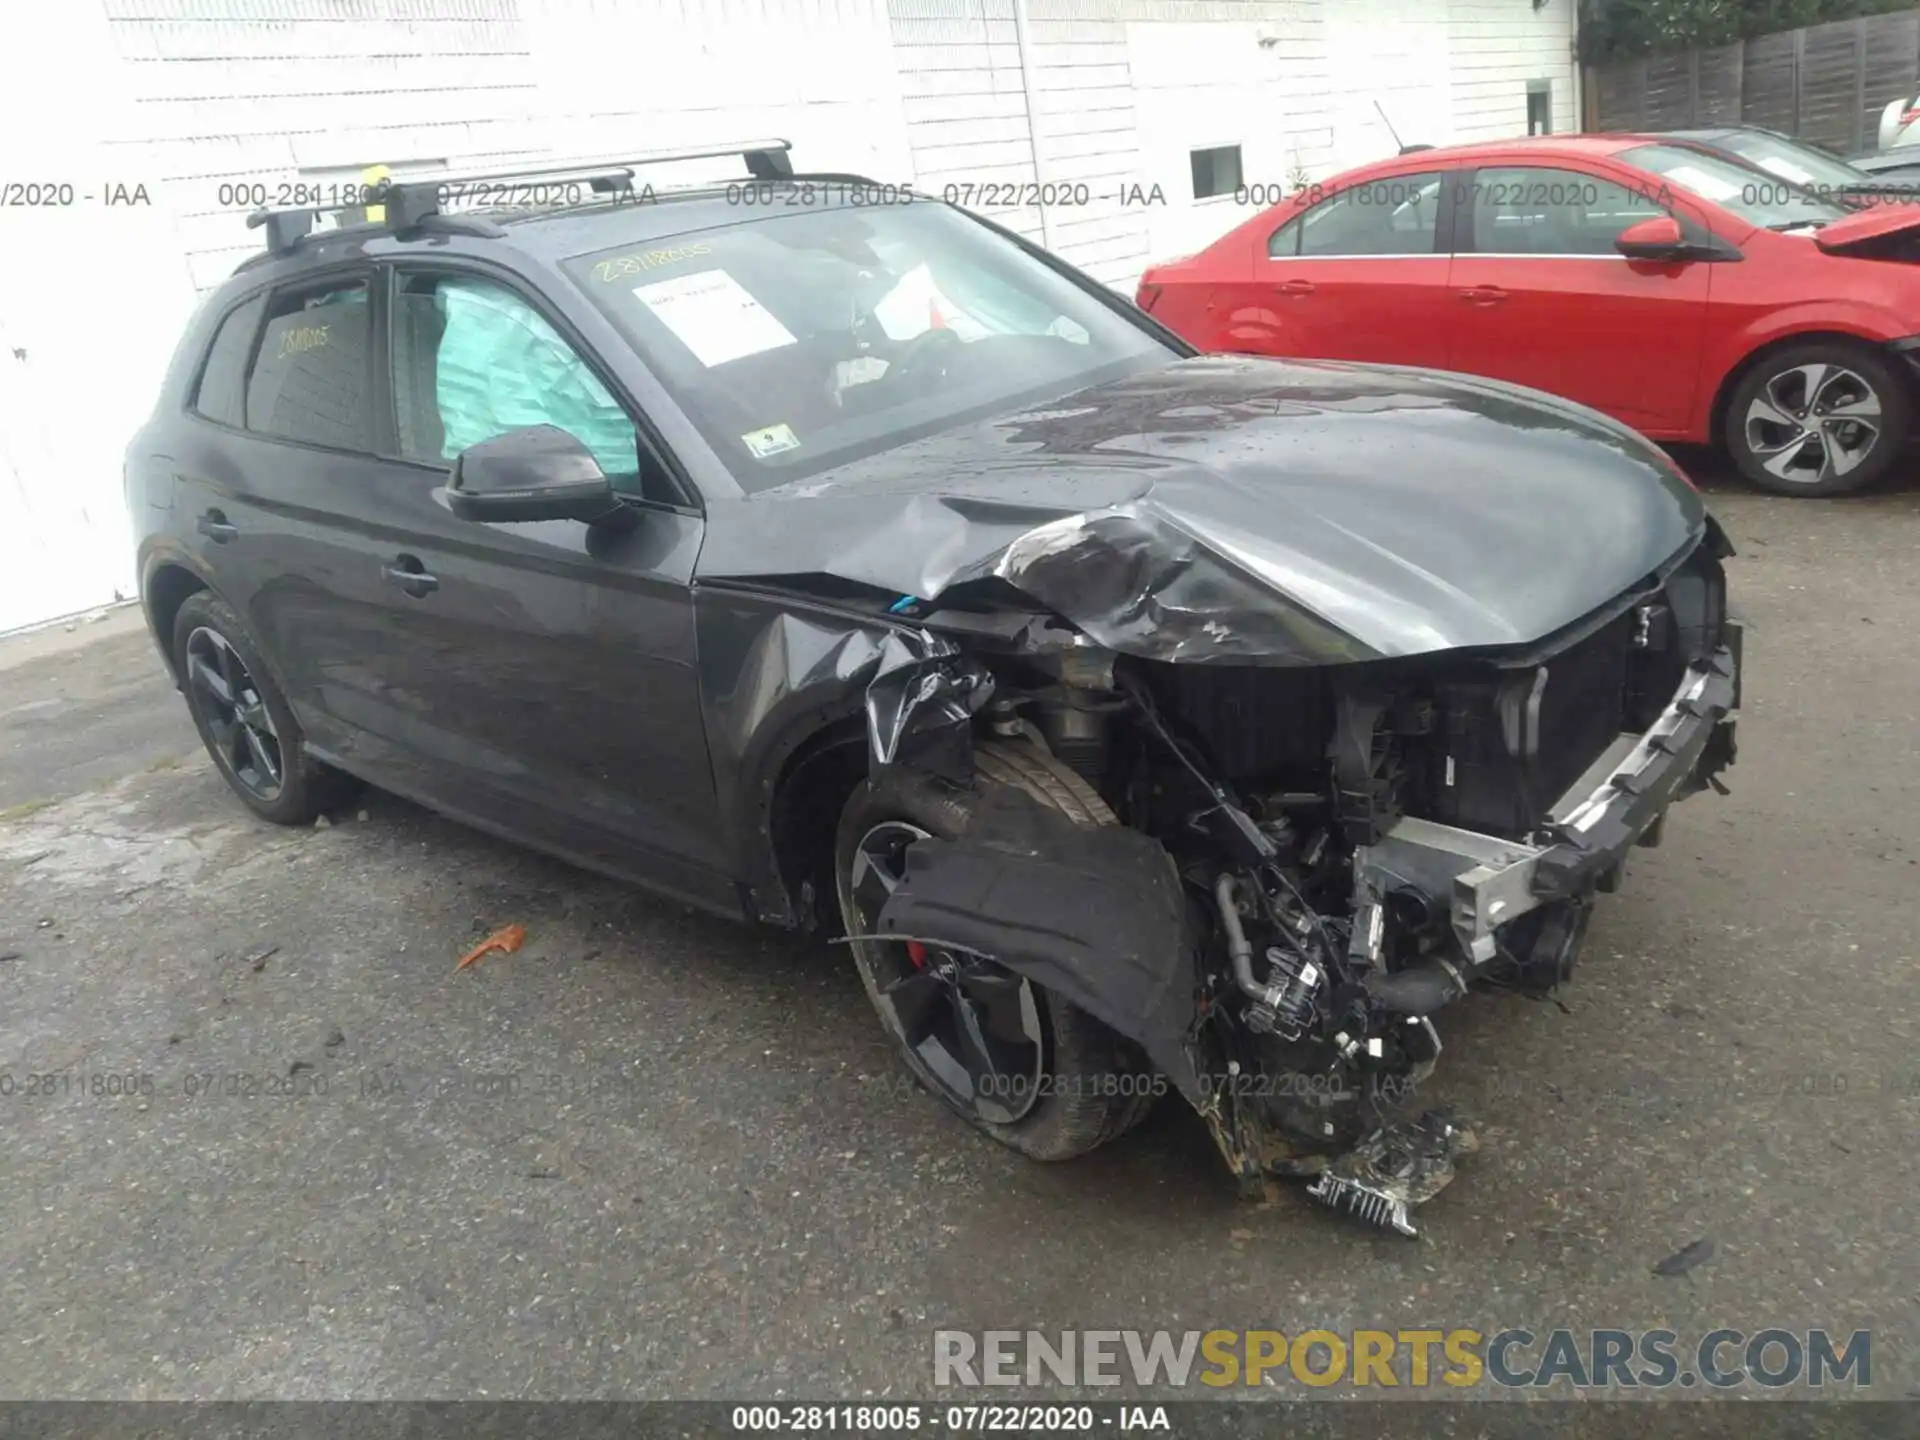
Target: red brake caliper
point(917, 953)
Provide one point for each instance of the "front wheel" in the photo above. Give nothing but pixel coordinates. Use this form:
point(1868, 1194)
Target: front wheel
point(1818, 419)
point(1011, 1056)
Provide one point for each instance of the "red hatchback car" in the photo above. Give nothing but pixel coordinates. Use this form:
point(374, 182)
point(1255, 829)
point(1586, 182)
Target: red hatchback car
point(1688, 296)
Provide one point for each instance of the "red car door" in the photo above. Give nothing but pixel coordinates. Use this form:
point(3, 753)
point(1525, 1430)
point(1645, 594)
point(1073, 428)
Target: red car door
point(1539, 295)
point(1358, 273)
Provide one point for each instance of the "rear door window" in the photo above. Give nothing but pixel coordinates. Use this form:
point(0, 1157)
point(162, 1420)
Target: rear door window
point(312, 374)
point(1396, 215)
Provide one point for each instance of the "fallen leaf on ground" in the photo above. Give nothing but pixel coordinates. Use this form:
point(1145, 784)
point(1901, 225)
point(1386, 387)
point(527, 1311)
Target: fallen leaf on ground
point(1685, 1259)
point(505, 940)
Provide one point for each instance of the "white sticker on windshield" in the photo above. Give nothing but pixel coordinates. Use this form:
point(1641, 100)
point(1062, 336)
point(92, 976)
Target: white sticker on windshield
point(771, 441)
point(714, 316)
point(1701, 183)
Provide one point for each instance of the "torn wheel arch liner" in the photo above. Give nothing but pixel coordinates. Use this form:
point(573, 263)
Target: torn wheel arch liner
point(779, 673)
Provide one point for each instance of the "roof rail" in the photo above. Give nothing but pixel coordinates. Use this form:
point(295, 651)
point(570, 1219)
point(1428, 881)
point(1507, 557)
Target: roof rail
point(410, 199)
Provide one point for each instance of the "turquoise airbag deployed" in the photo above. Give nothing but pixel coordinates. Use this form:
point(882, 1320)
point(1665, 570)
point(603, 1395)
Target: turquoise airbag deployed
point(502, 367)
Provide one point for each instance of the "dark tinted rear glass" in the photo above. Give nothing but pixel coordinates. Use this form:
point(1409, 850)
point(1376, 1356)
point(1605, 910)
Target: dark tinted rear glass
point(223, 379)
point(310, 379)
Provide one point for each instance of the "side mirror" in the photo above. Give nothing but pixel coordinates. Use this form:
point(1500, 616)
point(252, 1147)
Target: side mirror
point(537, 473)
point(1655, 239)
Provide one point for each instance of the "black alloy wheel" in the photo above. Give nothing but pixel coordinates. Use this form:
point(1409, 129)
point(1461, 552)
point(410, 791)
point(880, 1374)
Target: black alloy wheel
point(1004, 1051)
point(246, 742)
point(977, 1029)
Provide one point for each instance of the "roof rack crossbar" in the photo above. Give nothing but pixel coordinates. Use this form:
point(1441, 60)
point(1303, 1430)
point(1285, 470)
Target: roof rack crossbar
point(410, 199)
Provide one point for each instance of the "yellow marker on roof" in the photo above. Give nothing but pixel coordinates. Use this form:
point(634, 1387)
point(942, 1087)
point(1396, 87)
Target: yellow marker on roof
point(369, 177)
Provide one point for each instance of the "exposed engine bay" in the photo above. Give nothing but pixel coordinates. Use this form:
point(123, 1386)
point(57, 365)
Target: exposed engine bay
point(1315, 860)
point(1369, 681)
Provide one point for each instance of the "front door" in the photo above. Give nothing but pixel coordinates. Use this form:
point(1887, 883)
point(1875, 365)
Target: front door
point(545, 672)
point(1540, 297)
point(1359, 275)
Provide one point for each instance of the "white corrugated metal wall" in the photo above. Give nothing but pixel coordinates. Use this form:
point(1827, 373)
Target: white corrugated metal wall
point(1102, 104)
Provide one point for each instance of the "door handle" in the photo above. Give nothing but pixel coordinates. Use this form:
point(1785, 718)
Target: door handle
point(215, 527)
point(410, 575)
point(1296, 287)
point(1483, 295)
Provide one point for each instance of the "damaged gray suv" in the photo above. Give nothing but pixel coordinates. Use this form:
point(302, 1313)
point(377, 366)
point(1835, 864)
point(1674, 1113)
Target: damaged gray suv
point(825, 555)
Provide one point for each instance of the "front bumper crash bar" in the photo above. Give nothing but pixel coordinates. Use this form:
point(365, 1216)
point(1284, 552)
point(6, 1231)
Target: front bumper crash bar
point(1487, 882)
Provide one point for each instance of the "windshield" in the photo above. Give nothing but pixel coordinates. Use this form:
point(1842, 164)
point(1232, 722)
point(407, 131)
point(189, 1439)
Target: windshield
point(1732, 186)
point(811, 338)
point(1792, 161)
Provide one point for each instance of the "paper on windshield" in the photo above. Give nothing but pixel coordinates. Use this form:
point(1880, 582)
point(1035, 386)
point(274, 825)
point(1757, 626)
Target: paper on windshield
point(1701, 183)
point(915, 306)
point(714, 316)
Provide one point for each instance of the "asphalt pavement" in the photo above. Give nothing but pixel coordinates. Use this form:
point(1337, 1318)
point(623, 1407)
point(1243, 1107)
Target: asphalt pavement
point(288, 1150)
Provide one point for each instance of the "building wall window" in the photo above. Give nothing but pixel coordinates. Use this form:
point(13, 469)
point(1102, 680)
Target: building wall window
point(1539, 107)
point(1216, 171)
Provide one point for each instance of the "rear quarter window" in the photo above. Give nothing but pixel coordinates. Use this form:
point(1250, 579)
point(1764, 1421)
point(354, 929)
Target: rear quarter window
point(222, 391)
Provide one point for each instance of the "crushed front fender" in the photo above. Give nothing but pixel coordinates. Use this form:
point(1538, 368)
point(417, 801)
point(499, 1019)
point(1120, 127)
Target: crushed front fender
point(777, 671)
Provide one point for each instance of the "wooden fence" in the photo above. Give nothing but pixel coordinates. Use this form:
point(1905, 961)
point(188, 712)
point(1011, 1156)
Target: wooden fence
point(1825, 83)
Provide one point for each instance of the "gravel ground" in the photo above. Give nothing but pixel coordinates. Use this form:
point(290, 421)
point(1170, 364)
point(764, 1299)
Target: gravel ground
point(655, 1155)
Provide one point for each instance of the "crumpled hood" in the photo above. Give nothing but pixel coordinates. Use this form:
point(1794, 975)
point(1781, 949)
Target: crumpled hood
point(1855, 232)
point(1242, 510)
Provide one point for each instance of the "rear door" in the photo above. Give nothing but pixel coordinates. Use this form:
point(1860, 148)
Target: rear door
point(1539, 296)
point(1359, 274)
point(277, 492)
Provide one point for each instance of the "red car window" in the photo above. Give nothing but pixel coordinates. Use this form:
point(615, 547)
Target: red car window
point(1394, 215)
point(1535, 210)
